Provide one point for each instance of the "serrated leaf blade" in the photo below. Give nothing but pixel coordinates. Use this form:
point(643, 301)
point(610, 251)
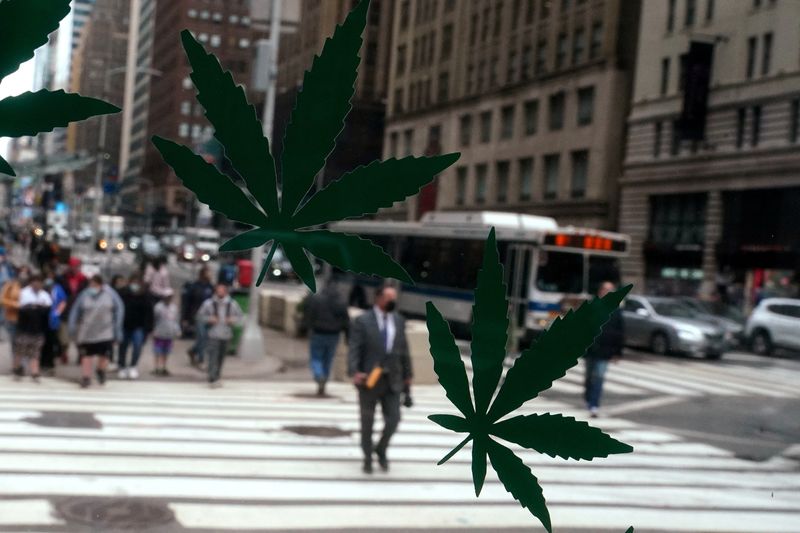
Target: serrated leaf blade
point(451, 422)
point(213, 188)
point(301, 264)
point(559, 436)
point(518, 479)
point(32, 113)
point(479, 450)
point(321, 108)
point(5, 168)
point(447, 362)
point(489, 326)
point(236, 125)
point(369, 188)
point(352, 253)
point(555, 351)
point(25, 26)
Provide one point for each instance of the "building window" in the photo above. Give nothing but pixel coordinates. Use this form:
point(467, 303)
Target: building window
point(465, 129)
point(531, 116)
point(709, 10)
point(187, 83)
point(752, 46)
point(691, 10)
point(493, 71)
point(502, 181)
point(405, 9)
point(755, 127)
point(244, 43)
point(215, 41)
point(473, 30)
point(507, 122)
point(401, 59)
point(197, 131)
point(234, 19)
point(485, 25)
point(682, 66)
point(486, 126)
point(556, 111)
point(794, 125)
point(245, 21)
point(580, 170)
point(216, 17)
point(393, 144)
point(544, 9)
point(657, 133)
point(511, 68)
point(664, 76)
point(449, 5)
point(541, 57)
point(398, 101)
point(186, 108)
point(447, 42)
point(527, 62)
point(530, 12)
point(498, 18)
point(578, 46)
point(203, 37)
point(480, 184)
point(675, 141)
point(670, 15)
point(516, 7)
point(597, 40)
point(192, 13)
point(204, 15)
point(678, 219)
point(444, 87)
point(408, 142)
point(585, 106)
point(481, 73)
point(551, 164)
point(741, 119)
point(525, 178)
point(766, 54)
point(469, 84)
point(561, 50)
point(461, 185)
point(183, 130)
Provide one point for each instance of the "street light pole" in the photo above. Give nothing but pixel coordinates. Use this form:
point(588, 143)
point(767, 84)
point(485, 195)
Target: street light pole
point(251, 345)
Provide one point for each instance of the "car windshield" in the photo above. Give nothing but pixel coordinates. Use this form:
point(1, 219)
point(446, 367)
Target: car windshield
point(673, 309)
point(560, 272)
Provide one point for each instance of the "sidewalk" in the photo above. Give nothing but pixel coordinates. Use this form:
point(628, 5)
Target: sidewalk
point(285, 359)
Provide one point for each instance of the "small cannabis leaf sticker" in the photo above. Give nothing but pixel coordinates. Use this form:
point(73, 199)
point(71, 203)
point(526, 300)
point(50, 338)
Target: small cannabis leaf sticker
point(318, 118)
point(24, 26)
point(534, 371)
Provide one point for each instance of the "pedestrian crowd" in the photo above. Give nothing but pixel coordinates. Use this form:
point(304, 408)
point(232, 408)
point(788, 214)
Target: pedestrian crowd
point(45, 311)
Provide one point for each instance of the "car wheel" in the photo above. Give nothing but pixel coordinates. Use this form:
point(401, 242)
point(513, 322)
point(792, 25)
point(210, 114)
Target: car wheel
point(760, 343)
point(714, 356)
point(659, 344)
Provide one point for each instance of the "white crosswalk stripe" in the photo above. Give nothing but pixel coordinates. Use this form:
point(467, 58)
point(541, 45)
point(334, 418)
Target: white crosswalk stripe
point(232, 460)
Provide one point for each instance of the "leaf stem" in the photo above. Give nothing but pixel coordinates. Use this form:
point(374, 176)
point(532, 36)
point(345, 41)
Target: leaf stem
point(267, 262)
point(455, 450)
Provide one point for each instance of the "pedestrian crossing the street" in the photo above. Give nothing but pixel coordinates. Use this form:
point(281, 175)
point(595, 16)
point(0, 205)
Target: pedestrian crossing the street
point(269, 457)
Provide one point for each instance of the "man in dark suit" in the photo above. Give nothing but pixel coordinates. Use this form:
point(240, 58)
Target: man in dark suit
point(607, 347)
point(378, 339)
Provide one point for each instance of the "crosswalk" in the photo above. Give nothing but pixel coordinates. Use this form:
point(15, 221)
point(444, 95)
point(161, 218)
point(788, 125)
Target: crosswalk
point(645, 375)
point(266, 457)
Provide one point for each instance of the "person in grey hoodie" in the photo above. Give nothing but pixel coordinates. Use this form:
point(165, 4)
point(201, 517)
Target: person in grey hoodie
point(220, 313)
point(95, 324)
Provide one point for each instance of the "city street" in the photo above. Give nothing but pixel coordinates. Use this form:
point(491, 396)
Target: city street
point(266, 455)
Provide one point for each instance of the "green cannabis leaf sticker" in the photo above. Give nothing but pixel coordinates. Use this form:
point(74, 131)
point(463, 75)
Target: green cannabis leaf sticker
point(316, 122)
point(24, 26)
point(556, 351)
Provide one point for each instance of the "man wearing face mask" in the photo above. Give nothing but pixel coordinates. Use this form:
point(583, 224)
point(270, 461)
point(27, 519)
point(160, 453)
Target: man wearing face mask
point(137, 325)
point(95, 322)
point(379, 363)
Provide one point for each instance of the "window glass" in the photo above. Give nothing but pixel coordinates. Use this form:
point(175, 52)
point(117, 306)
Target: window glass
point(560, 272)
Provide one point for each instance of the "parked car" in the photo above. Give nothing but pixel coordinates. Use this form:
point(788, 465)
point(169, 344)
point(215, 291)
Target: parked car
point(774, 323)
point(665, 325)
point(191, 253)
point(728, 317)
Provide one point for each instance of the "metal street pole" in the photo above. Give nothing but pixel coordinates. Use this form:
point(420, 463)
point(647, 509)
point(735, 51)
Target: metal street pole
point(251, 345)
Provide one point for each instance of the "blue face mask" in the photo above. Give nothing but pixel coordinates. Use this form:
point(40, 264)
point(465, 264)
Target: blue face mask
point(95, 291)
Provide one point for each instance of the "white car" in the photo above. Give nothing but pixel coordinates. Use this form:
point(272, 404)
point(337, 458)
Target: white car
point(774, 323)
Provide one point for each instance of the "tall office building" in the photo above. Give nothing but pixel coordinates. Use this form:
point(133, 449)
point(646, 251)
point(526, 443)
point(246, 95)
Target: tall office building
point(362, 139)
point(711, 187)
point(163, 96)
point(533, 93)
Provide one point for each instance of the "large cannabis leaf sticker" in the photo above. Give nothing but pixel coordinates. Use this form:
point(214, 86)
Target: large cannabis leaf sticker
point(318, 118)
point(557, 350)
point(24, 26)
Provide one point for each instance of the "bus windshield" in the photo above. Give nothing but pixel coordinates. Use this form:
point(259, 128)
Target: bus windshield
point(602, 269)
point(560, 272)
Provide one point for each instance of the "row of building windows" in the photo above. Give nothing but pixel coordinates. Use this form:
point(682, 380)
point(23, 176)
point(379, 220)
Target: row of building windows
point(748, 120)
point(690, 11)
point(579, 163)
point(217, 17)
point(216, 41)
point(424, 10)
point(195, 131)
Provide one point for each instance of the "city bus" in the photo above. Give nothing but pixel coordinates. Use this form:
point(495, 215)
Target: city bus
point(548, 269)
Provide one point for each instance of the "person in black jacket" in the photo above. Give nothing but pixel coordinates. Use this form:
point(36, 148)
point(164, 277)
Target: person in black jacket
point(607, 347)
point(326, 317)
point(34, 309)
point(195, 294)
point(136, 326)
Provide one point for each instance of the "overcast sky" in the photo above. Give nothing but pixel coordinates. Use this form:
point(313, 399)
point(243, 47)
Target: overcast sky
point(16, 83)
